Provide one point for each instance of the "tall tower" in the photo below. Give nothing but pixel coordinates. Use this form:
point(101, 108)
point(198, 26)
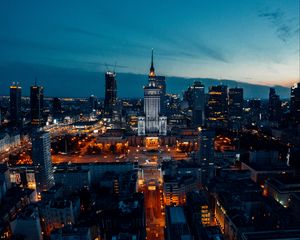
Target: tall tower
point(36, 104)
point(110, 93)
point(217, 110)
point(274, 106)
point(235, 107)
point(152, 103)
point(198, 104)
point(15, 104)
point(205, 155)
point(41, 157)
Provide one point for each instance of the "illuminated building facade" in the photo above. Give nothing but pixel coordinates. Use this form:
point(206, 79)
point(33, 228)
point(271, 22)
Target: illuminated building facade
point(41, 157)
point(217, 110)
point(110, 93)
point(235, 107)
point(15, 104)
point(295, 103)
point(153, 104)
point(36, 104)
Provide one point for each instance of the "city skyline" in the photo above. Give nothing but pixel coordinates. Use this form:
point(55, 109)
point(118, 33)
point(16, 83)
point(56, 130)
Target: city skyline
point(258, 44)
point(148, 120)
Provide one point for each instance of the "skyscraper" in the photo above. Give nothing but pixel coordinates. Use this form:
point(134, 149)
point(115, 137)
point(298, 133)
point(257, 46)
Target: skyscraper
point(295, 103)
point(15, 104)
point(110, 93)
point(235, 107)
point(41, 157)
point(36, 104)
point(56, 107)
point(198, 104)
point(274, 106)
point(153, 103)
point(205, 155)
point(93, 103)
point(217, 109)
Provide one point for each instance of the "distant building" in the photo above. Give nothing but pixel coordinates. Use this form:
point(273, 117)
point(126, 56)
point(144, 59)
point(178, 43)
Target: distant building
point(217, 107)
point(15, 104)
point(235, 107)
point(295, 103)
point(154, 98)
point(93, 103)
point(36, 104)
point(110, 93)
point(41, 157)
point(274, 106)
point(254, 114)
point(152, 104)
point(56, 108)
point(195, 96)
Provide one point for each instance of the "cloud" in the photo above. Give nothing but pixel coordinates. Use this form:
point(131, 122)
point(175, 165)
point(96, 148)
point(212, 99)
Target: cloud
point(285, 27)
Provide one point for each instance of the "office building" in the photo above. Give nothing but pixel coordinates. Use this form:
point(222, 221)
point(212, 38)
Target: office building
point(295, 103)
point(41, 157)
point(36, 104)
point(235, 107)
point(56, 107)
point(15, 104)
point(217, 108)
point(205, 155)
point(110, 93)
point(198, 109)
point(93, 103)
point(274, 106)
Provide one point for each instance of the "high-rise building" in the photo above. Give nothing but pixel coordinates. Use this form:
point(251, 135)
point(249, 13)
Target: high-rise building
point(274, 106)
point(41, 157)
point(205, 155)
point(93, 103)
point(110, 93)
point(153, 100)
point(235, 107)
point(255, 111)
point(15, 104)
point(217, 109)
point(56, 107)
point(198, 104)
point(295, 103)
point(36, 104)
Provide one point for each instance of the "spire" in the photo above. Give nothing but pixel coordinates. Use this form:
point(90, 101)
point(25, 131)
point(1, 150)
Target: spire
point(152, 71)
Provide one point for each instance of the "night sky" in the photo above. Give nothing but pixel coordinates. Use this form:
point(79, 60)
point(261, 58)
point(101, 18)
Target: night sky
point(254, 41)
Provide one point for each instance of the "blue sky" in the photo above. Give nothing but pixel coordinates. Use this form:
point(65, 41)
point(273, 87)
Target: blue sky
point(255, 41)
